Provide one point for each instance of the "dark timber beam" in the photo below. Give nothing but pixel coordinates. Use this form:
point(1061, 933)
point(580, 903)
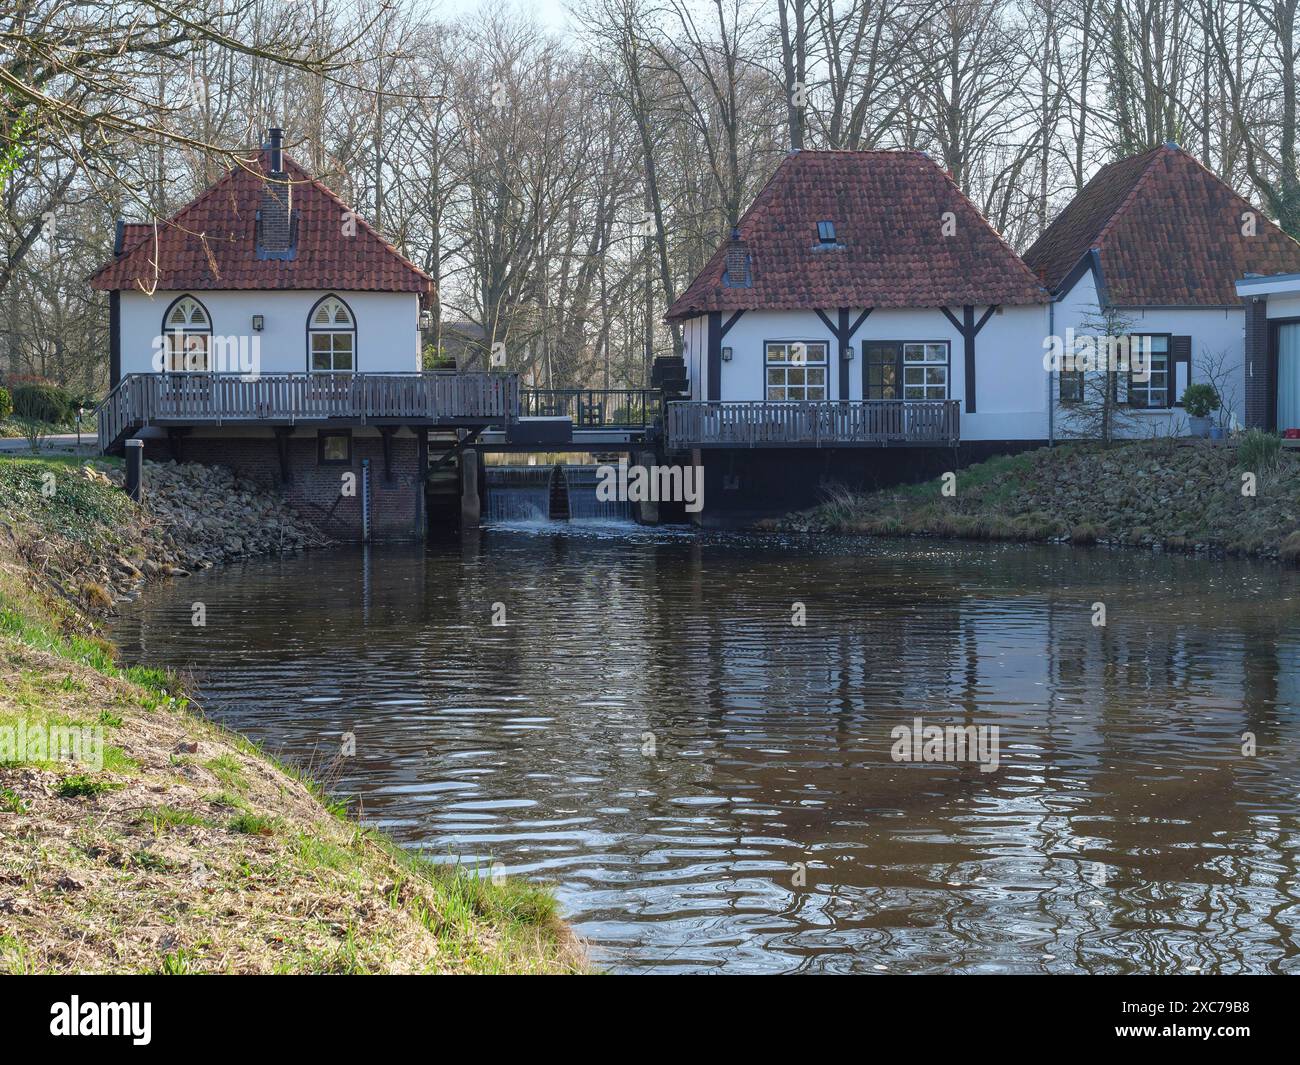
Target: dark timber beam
point(114, 338)
point(969, 330)
point(717, 330)
point(842, 330)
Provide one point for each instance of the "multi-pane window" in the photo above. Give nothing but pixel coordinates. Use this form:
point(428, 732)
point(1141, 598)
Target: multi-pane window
point(796, 370)
point(187, 337)
point(925, 370)
point(331, 336)
point(1154, 390)
point(1071, 386)
point(882, 370)
point(905, 369)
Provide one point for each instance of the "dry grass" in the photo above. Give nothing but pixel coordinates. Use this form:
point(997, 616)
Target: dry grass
point(190, 850)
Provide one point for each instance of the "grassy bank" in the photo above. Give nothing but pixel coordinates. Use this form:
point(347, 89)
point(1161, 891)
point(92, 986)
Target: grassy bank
point(1151, 494)
point(179, 847)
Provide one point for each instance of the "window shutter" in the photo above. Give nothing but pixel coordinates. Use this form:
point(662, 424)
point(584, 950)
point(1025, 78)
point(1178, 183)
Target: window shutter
point(1180, 368)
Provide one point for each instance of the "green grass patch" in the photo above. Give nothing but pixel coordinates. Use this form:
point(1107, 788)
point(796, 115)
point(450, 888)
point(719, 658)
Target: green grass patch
point(251, 824)
point(228, 771)
point(58, 497)
point(79, 785)
point(13, 802)
point(164, 818)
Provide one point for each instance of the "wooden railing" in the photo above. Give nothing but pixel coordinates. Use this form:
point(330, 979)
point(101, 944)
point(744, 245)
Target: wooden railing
point(594, 408)
point(861, 423)
point(216, 399)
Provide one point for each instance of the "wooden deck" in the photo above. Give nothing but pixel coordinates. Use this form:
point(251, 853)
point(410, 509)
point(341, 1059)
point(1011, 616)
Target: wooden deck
point(194, 399)
point(839, 423)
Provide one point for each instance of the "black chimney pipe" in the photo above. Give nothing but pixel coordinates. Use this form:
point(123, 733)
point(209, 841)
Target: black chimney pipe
point(276, 135)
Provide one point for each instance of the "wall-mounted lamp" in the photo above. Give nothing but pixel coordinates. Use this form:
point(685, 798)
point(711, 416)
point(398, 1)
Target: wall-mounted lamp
point(846, 353)
point(259, 322)
point(726, 354)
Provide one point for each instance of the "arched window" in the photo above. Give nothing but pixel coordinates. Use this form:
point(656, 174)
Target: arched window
point(187, 329)
point(331, 337)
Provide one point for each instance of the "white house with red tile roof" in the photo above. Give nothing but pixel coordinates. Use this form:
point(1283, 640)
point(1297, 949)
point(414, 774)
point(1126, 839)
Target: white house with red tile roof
point(266, 327)
point(868, 276)
point(1159, 242)
point(266, 259)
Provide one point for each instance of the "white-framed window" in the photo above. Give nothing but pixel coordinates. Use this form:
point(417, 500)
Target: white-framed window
point(925, 369)
point(795, 369)
point(187, 329)
point(331, 337)
point(1154, 391)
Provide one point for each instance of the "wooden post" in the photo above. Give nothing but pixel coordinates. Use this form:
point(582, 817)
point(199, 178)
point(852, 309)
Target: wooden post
point(421, 480)
point(697, 460)
point(646, 511)
point(135, 469)
point(282, 434)
point(470, 505)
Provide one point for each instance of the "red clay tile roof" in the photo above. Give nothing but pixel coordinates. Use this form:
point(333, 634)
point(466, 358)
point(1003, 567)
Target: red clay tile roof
point(1168, 233)
point(211, 244)
point(888, 208)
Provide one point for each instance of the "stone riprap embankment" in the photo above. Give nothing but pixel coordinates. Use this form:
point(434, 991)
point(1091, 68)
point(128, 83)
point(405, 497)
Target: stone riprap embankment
point(206, 515)
point(1162, 495)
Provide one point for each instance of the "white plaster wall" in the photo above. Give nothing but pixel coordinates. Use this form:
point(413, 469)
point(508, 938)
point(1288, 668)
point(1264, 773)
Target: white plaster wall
point(388, 327)
point(1213, 331)
point(1011, 386)
point(695, 350)
point(1280, 306)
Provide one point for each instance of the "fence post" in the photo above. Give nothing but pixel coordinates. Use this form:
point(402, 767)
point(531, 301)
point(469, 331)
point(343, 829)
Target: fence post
point(135, 469)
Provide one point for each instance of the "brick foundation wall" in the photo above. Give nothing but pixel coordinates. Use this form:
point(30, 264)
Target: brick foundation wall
point(315, 490)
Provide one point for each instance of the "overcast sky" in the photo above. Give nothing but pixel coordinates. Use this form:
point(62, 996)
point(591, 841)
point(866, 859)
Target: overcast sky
point(550, 13)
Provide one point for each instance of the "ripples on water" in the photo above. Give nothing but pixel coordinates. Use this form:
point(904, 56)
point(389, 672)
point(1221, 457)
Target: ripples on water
point(1124, 831)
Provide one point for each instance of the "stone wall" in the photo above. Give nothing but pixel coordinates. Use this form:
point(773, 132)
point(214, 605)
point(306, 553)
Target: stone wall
point(327, 495)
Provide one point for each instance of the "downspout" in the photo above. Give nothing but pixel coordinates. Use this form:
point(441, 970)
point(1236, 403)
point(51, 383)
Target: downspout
point(1051, 405)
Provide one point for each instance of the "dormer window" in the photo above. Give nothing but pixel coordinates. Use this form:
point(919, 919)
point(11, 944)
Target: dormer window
point(826, 232)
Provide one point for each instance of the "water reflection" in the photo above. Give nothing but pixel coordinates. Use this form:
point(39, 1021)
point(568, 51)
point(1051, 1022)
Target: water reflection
point(711, 785)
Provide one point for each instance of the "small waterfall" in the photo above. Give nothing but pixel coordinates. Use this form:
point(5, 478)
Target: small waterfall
point(518, 493)
point(523, 493)
point(583, 504)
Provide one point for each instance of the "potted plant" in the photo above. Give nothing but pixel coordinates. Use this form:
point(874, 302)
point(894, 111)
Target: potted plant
point(1200, 401)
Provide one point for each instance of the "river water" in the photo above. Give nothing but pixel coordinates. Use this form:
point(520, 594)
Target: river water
point(694, 738)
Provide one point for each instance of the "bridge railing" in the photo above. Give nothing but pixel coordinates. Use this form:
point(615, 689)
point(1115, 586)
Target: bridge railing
point(594, 408)
point(860, 423)
point(216, 399)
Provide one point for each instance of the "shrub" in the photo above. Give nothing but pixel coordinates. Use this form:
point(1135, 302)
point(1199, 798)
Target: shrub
point(1259, 452)
point(43, 403)
point(1200, 400)
point(6, 404)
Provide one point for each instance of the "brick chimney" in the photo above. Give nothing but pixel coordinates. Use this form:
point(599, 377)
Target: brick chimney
point(737, 274)
point(275, 221)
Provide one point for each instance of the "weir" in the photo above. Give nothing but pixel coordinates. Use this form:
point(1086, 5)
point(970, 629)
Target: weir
point(548, 493)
